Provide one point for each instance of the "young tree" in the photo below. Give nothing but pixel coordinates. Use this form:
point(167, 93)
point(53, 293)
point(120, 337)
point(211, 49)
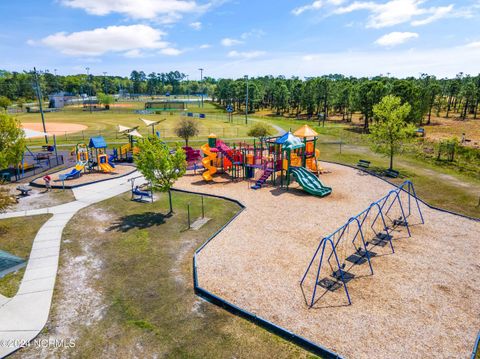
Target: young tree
point(390, 131)
point(187, 128)
point(159, 165)
point(260, 130)
point(5, 102)
point(105, 100)
point(12, 146)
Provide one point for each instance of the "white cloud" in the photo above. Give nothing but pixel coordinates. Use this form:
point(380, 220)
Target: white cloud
point(197, 25)
point(135, 53)
point(170, 51)
point(313, 6)
point(228, 42)
point(316, 5)
point(255, 33)
point(395, 38)
point(205, 46)
point(437, 14)
point(246, 54)
point(110, 39)
point(164, 10)
point(473, 45)
point(394, 12)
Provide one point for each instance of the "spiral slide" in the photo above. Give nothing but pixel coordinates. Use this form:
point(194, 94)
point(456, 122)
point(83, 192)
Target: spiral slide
point(207, 162)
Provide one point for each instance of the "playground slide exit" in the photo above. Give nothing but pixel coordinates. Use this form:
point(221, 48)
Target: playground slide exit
point(105, 167)
point(310, 182)
point(207, 163)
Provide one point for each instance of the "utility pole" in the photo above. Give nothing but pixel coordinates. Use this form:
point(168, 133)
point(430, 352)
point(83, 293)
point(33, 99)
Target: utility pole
point(39, 96)
point(201, 81)
point(246, 102)
point(188, 90)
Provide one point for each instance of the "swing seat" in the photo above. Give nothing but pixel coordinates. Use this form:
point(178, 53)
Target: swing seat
point(347, 276)
point(356, 259)
point(329, 284)
point(400, 222)
point(384, 236)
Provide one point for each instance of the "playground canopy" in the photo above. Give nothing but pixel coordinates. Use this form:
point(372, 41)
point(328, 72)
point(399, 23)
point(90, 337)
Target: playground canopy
point(149, 122)
point(305, 131)
point(97, 142)
point(134, 133)
point(123, 128)
point(290, 142)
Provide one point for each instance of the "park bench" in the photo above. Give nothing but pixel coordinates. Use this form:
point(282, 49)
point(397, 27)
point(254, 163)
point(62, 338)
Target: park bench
point(391, 173)
point(363, 164)
point(24, 190)
point(139, 195)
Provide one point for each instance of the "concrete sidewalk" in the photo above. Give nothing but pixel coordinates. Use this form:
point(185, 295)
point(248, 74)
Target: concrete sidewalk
point(24, 316)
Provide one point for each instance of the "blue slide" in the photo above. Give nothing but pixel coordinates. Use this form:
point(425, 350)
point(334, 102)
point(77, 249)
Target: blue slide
point(110, 161)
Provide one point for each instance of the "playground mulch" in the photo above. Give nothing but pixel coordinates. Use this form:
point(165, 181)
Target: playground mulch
point(423, 301)
point(86, 177)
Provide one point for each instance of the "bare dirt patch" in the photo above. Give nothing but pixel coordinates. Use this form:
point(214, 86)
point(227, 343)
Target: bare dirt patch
point(55, 128)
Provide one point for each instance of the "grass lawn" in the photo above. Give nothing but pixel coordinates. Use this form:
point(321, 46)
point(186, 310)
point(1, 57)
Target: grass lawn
point(438, 185)
point(139, 263)
point(16, 237)
point(105, 123)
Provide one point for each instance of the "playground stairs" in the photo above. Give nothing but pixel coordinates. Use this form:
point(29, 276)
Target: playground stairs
point(268, 172)
point(223, 148)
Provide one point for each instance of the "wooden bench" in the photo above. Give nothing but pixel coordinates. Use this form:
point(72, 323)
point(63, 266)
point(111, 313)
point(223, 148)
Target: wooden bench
point(363, 164)
point(24, 191)
point(391, 173)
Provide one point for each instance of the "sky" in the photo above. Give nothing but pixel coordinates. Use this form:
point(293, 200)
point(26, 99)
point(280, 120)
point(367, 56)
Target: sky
point(234, 38)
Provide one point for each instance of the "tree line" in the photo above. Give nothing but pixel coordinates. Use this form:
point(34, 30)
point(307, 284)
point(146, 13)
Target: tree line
point(321, 97)
point(314, 97)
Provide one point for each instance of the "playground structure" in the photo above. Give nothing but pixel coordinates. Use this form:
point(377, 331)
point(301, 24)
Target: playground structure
point(86, 156)
point(278, 159)
point(33, 163)
point(339, 254)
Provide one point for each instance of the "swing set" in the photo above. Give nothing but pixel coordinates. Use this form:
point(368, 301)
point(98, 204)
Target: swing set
point(343, 252)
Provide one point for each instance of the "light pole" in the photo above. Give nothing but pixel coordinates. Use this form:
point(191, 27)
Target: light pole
point(105, 81)
point(188, 90)
point(201, 81)
point(246, 102)
point(39, 96)
point(56, 80)
point(88, 88)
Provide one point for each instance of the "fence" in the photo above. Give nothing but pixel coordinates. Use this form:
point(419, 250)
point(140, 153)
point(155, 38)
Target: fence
point(17, 174)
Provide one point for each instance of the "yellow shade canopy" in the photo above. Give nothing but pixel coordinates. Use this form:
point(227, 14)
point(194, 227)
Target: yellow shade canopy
point(305, 131)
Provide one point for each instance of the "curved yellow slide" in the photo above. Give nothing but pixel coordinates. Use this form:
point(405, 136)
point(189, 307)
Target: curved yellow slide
point(207, 163)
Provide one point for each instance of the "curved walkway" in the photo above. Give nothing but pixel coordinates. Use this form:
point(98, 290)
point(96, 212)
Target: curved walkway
point(24, 316)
